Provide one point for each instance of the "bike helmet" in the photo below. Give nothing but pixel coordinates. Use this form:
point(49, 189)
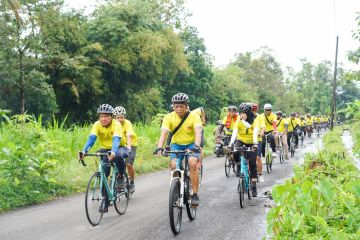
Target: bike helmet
point(232, 108)
point(254, 106)
point(267, 106)
point(219, 122)
point(119, 110)
point(302, 117)
point(245, 108)
point(181, 98)
point(105, 108)
point(284, 115)
point(293, 114)
point(279, 113)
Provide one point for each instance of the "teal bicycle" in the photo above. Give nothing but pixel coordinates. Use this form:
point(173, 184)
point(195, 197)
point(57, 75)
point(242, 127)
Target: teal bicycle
point(98, 190)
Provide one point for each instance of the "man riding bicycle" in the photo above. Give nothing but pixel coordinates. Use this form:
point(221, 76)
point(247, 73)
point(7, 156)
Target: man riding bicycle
point(270, 126)
point(293, 126)
point(245, 133)
point(187, 136)
point(109, 133)
point(303, 125)
point(282, 127)
point(129, 141)
point(261, 120)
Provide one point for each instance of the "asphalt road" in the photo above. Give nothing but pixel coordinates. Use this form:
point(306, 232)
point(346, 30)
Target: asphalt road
point(219, 215)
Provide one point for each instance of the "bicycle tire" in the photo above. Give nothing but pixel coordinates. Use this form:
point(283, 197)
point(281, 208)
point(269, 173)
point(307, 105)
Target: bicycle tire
point(191, 212)
point(174, 205)
point(93, 196)
point(122, 198)
point(268, 167)
point(227, 166)
point(200, 173)
point(281, 155)
point(241, 192)
point(249, 187)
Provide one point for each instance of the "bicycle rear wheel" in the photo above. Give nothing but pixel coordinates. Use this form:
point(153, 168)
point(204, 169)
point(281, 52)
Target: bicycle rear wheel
point(122, 198)
point(281, 155)
point(227, 166)
point(191, 212)
point(175, 208)
point(268, 163)
point(200, 173)
point(241, 191)
point(94, 200)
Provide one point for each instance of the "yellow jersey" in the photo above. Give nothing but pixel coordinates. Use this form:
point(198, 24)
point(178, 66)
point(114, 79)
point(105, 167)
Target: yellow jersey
point(317, 120)
point(292, 124)
point(245, 135)
point(186, 134)
point(127, 128)
point(261, 124)
point(302, 123)
point(269, 121)
point(309, 121)
point(281, 125)
point(106, 134)
point(228, 131)
point(199, 112)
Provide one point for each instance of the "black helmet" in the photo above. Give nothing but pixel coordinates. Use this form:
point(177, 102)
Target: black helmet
point(279, 113)
point(245, 108)
point(181, 98)
point(105, 108)
point(293, 114)
point(232, 108)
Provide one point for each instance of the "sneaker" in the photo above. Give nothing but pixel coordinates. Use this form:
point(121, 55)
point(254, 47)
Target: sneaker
point(194, 200)
point(120, 183)
point(274, 154)
point(261, 178)
point(104, 210)
point(132, 187)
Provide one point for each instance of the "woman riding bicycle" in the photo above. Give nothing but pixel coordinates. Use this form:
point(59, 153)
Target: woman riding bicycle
point(245, 133)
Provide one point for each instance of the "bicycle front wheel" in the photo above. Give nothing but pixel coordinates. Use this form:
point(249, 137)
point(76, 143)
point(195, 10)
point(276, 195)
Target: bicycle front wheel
point(175, 207)
point(241, 191)
point(94, 200)
point(200, 173)
point(281, 155)
point(227, 166)
point(268, 163)
point(191, 211)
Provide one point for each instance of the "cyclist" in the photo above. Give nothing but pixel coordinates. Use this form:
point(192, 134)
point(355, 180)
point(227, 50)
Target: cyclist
point(109, 132)
point(261, 120)
point(201, 113)
point(129, 141)
point(245, 133)
point(270, 126)
point(229, 121)
point(317, 121)
point(188, 136)
point(294, 125)
point(282, 127)
point(309, 123)
point(303, 125)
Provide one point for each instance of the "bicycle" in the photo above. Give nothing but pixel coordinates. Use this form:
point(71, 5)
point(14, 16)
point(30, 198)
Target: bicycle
point(309, 130)
point(245, 182)
point(301, 135)
point(292, 145)
point(229, 163)
point(281, 148)
point(268, 153)
point(96, 195)
point(180, 191)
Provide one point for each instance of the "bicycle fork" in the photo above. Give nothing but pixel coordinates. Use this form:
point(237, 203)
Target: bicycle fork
point(244, 172)
point(173, 175)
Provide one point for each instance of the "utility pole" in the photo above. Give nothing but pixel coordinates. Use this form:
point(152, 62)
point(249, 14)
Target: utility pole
point(333, 102)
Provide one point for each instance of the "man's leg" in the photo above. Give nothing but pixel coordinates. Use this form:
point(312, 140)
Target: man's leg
point(259, 162)
point(194, 178)
point(130, 168)
point(285, 145)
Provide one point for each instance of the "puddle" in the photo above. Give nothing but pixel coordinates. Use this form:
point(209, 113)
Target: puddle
point(348, 143)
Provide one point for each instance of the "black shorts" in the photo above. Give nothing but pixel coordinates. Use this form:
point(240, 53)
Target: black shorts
point(131, 158)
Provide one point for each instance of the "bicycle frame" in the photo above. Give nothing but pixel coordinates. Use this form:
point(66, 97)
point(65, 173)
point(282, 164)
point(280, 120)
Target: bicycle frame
point(103, 182)
point(268, 150)
point(245, 170)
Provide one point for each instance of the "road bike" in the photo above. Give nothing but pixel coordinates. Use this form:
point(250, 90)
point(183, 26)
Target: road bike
point(245, 183)
point(268, 153)
point(180, 190)
point(98, 190)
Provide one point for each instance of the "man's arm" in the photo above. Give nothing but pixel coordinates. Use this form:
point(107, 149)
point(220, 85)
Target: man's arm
point(198, 130)
point(164, 133)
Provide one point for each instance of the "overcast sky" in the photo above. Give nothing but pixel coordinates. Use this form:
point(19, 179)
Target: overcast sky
point(293, 29)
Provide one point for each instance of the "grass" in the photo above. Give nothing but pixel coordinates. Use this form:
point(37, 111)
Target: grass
point(40, 163)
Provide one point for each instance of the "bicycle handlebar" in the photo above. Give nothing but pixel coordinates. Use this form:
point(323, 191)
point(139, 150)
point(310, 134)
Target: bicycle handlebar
point(82, 155)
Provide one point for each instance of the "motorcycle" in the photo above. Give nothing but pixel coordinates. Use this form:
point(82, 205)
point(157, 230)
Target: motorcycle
point(220, 146)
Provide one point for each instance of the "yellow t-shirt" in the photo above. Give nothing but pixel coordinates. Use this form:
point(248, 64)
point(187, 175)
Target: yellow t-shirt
point(245, 135)
point(271, 118)
point(186, 134)
point(302, 123)
point(292, 124)
point(261, 124)
point(230, 130)
point(309, 121)
point(325, 120)
point(128, 129)
point(281, 125)
point(198, 112)
point(106, 134)
point(317, 120)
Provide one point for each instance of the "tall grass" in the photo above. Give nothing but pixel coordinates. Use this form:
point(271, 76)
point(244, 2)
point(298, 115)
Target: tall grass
point(39, 163)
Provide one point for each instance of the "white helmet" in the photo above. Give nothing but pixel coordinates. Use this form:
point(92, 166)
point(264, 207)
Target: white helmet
point(119, 110)
point(267, 106)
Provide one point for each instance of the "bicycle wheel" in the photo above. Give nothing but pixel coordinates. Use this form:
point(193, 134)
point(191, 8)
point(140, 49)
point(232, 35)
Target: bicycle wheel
point(292, 148)
point(281, 155)
point(227, 166)
point(122, 198)
point(200, 173)
point(241, 191)
point(175, 208)
point(268, 167)
point(249, 187)
point(94, 200)
point(302, 139)
point(191, 212)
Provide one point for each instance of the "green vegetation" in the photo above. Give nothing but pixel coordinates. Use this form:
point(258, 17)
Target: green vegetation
point(322, 200)
point(39, 163)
